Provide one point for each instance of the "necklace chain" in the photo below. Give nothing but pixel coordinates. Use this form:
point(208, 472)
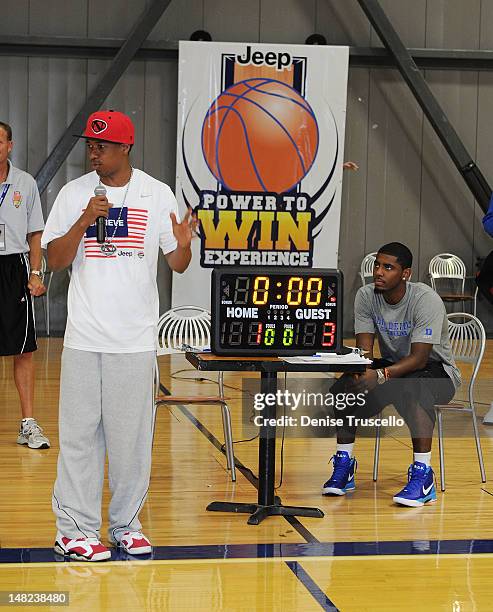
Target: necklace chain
point(108, 239)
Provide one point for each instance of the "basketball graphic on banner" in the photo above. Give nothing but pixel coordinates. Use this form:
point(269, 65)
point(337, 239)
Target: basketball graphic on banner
point(260, 135)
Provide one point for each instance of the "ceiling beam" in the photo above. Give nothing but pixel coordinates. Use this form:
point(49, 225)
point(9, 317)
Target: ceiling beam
point(472, 175)
point(104, 48)
point(124, 55)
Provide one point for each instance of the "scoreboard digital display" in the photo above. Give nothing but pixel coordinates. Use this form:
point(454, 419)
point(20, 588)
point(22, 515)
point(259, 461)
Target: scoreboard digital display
point(279, 311)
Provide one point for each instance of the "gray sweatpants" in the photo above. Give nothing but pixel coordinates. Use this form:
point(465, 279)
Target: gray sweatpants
point(106, 406)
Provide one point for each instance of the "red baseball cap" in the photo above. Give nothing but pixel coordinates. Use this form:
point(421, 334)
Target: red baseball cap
point(111, 126)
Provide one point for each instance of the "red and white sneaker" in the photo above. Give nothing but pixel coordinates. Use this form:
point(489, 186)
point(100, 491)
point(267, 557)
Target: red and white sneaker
point(82, 549)
point(134, 543)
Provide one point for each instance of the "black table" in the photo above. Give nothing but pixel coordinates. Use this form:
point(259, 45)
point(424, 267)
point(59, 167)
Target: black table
point(267, 502)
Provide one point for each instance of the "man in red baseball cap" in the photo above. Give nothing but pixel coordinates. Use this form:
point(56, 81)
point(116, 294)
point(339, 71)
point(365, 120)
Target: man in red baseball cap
point(110, 136)
point(106, 383)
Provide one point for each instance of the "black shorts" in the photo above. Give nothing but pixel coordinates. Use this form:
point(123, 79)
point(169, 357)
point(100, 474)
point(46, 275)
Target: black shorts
point(17, 331)
point(427, 387)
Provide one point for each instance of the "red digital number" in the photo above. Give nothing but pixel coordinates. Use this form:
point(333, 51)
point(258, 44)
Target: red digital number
point(255, 333)
point(259, 333)
point(328, 334)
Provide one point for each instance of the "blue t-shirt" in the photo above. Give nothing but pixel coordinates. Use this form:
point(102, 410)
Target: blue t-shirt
point(488, 219)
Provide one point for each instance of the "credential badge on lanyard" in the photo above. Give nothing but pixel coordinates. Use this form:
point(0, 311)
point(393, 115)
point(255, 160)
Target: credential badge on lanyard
point(3, 193)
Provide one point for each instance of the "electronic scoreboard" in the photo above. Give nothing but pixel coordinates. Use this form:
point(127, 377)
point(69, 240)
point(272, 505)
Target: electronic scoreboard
point(277, 311)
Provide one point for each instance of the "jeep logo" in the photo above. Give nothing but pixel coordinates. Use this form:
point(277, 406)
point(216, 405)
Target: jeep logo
point(257, 58)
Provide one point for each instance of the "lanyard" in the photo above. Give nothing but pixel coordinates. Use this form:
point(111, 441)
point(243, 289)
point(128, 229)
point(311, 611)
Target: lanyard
point(6, 187)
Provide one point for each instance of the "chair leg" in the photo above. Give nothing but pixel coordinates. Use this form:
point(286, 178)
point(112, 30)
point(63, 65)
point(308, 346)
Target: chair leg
point(228, 440)
point(220, 381)
point(157, 377)
point(478, 444)
point(440, 448)
point(376, 455)
point(228, 432)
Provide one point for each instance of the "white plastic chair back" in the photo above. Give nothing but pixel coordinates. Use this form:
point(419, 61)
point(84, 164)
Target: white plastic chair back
point(183, 325)
point(366, 269)
point(468, 340)
point(449, 266)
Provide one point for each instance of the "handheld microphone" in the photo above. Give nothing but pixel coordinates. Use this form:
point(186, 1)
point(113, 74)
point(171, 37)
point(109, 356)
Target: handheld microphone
point(100, 190)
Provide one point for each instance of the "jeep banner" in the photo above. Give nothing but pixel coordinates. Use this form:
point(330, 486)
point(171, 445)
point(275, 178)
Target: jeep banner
point(259, 156)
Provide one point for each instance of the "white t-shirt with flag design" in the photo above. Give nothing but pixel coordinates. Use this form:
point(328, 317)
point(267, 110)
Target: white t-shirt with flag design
point(113, 302)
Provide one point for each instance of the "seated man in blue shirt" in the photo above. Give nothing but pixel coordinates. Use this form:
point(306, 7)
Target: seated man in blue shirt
point(416, 371)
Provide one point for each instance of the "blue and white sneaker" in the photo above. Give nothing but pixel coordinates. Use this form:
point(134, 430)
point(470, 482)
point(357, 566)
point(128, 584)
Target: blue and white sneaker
point(420, 488)
point(342, 479)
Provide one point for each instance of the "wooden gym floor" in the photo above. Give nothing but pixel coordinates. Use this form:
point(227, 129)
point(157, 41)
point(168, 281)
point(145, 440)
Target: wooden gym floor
point(365, 554)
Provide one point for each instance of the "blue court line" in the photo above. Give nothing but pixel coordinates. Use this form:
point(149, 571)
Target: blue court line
point(304, 577)
point(276, 550)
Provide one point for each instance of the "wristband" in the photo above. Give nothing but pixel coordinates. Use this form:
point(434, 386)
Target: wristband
point(39, 274)
point(380, 376)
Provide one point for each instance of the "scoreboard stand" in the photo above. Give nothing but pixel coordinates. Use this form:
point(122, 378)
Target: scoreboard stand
point(257, 317)
point(267, 502)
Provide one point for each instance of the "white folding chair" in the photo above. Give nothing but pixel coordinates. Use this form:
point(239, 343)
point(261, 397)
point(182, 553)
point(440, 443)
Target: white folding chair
point(189, 328)
point(448, 278)
point(366, 269)
point(468, 341)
